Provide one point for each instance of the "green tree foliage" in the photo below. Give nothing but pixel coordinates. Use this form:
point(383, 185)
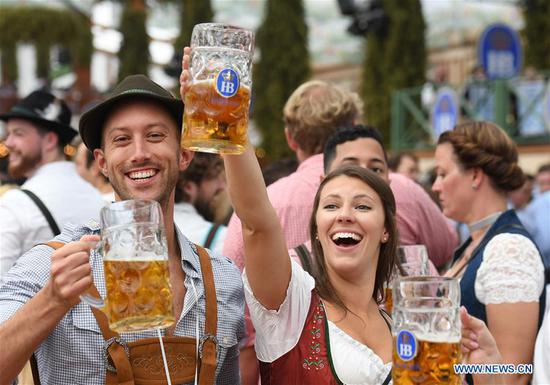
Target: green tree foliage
point(537, 33)
point(395, 59)
point(283, 66)
point(193, 12)
point(134, 51)
point(43, 27)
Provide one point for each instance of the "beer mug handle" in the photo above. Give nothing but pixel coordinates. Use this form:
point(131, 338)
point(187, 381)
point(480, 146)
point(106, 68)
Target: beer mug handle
point(87, 298)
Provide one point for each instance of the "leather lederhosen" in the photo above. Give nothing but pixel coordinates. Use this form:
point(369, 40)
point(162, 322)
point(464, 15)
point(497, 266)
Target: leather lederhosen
point(140, 362)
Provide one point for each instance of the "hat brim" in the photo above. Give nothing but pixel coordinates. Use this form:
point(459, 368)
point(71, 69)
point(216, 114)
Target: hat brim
point(65, 133)
point(92, 121)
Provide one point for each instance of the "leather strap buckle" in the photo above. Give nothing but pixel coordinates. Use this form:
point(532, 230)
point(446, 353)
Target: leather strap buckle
point(107, 344)
point(205, 338)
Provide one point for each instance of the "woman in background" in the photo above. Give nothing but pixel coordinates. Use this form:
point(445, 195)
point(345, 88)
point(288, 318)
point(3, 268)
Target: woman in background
point(501, 270)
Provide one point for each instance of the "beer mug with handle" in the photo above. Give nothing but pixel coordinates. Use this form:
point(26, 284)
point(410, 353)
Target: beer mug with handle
point(413, 260)
point(217, 103)
point(135, 263)
point(426, 331)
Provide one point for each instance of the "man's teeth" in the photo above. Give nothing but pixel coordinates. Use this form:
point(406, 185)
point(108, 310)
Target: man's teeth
point(142, 174)
point(353, 236)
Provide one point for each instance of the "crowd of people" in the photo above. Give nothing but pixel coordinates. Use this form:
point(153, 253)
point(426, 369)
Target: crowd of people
point(310, 254)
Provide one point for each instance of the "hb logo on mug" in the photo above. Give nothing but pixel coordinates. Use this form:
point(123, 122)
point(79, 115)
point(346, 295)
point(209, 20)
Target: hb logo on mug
point(406, 345)
point(227, 82)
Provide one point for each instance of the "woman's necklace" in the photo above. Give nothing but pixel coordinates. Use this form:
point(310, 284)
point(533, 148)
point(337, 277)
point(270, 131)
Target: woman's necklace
point(483, 223)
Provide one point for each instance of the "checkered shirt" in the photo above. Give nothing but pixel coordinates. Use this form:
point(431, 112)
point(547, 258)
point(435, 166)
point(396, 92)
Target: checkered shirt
point(72, 353)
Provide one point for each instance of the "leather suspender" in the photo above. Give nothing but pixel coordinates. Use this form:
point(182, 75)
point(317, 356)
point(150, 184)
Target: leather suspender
point(44, 210)
point(118, 354)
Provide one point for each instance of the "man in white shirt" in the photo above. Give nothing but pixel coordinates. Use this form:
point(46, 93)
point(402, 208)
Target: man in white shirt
point(37, 130)
point(196, 190)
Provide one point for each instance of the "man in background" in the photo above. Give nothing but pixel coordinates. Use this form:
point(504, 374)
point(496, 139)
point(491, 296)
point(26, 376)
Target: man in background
point(88, 169)
point(37, 130)
point(419, 220)
point(197, 188)
point(405, 163)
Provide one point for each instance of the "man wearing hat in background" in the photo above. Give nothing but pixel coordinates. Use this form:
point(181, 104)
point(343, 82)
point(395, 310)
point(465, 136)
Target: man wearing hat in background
point(135, 137)
point(38, 128)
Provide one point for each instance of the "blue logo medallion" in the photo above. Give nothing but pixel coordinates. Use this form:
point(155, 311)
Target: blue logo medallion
point(227, 82)
point(406, 345)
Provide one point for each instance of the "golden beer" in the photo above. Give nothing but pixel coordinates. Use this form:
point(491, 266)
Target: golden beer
point(388, 299)
point(214, 123)
point(138, 295)
point(433, 364)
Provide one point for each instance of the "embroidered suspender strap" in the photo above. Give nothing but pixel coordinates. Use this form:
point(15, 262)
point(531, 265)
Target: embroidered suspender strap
point(305, 257)
point(211, 235)
point(208, 342)
point(44, 210)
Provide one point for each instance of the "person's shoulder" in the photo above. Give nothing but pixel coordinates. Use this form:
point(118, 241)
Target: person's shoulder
point(223, 263)
point(14, 195)
point(542, 200)
point(511, 244)
point(34, 264)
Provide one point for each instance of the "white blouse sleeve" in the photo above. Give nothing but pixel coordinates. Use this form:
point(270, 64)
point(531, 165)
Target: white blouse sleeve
point(511, 271)
point(278, 331)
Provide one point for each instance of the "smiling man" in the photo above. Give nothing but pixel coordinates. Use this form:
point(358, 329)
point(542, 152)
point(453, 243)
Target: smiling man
point(135, 136)
point(418, 217)
point(38, 128)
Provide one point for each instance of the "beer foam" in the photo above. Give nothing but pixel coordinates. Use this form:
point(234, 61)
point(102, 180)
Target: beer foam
point(426, 337)
point(125, 255)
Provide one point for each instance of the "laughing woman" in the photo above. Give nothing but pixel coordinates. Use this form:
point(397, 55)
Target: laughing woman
point(501, 270)
point(326, 329)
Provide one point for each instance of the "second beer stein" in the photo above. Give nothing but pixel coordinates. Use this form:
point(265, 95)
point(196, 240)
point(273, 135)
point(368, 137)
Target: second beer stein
point(413, 260)
point(217, 103)
point(135, 263)
point(426, 331)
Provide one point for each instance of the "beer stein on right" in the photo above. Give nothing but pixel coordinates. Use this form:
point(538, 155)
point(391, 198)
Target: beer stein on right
point(215, 117)
point(426, 331)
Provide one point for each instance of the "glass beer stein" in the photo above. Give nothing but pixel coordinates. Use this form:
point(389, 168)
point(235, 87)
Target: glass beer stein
point(135, 263)
point(426, 332)
point(414, 262)
point(217, 102)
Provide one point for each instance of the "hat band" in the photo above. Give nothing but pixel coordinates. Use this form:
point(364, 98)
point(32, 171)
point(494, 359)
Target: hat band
point(25, 111)
point(144, 91)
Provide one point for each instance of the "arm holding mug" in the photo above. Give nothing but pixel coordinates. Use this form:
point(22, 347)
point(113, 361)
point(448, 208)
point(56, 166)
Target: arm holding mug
point(70, 277)
point(266, 256)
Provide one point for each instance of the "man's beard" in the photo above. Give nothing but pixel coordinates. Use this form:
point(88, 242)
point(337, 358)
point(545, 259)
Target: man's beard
point(204, 208)
point(26, 163)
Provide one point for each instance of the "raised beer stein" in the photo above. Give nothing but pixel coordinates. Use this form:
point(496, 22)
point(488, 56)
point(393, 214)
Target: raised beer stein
point(217, 102)
point(426, 331)
point(135, 263)
point(413, 260)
